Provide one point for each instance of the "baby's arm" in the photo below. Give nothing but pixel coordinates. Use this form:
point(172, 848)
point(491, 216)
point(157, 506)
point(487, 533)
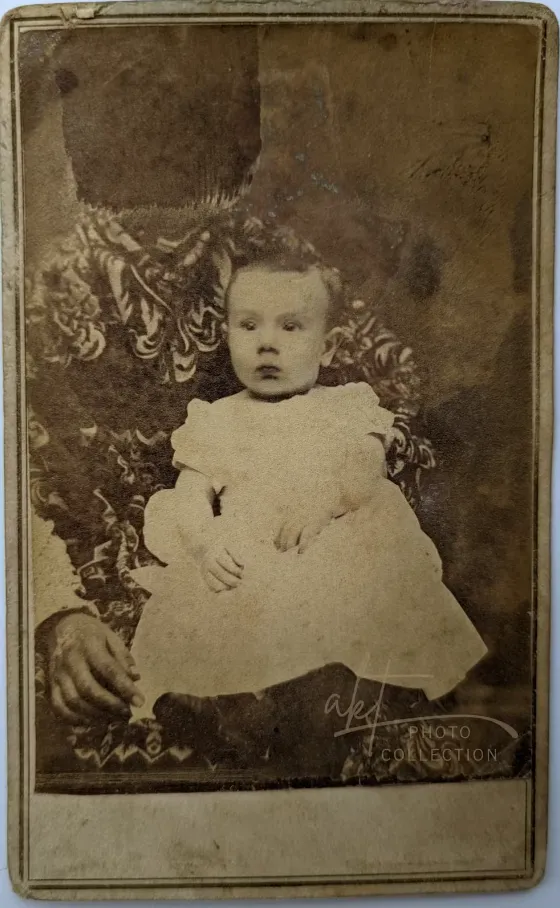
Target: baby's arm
point(365, 465)
point(221, 565)
point(194, 496)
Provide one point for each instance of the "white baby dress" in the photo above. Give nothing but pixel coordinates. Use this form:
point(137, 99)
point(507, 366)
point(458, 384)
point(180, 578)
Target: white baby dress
point(367, 593)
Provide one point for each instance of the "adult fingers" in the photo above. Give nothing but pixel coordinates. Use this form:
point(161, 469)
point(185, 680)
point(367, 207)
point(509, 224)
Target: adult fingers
point(99, 696)
point(118, 649)
point(74, 701)
point(101, 665)
point(61, 709)
point(110, 670)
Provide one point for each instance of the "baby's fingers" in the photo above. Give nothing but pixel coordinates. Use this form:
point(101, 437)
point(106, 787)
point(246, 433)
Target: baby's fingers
point(213, 583)
point(309, 533)
point(289, 535)
point(224, 576)
point(235, 556)
point(225, 560)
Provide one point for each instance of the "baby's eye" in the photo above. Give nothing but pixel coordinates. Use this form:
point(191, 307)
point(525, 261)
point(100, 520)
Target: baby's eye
point(291, 326)
point(248, 325)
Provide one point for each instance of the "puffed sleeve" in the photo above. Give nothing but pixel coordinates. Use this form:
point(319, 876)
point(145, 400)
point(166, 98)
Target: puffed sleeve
point(196, 443)
point(364, 415)
point(54, 582)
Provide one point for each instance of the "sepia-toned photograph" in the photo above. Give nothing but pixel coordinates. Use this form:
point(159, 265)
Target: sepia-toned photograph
point(279, 369)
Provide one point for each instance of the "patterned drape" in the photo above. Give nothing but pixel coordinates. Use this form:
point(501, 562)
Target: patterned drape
point(120, 336)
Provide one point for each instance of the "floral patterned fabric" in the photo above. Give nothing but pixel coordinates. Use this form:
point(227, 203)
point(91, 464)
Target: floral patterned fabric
point(120, 335)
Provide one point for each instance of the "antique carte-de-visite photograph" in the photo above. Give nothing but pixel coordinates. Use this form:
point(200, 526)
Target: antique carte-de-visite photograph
point(278, 302)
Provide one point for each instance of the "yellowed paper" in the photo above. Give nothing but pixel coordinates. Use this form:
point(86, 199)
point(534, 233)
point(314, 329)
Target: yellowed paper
point(277, 334)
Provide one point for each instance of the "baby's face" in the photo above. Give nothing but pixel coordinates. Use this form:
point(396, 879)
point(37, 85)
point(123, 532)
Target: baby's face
point(277, 330)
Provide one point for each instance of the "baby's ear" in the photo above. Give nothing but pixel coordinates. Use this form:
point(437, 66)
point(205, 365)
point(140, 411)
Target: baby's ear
point(332, 342)
point(225, 328)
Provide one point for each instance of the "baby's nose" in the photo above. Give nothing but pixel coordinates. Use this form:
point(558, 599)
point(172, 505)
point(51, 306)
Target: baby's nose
point(267, 347)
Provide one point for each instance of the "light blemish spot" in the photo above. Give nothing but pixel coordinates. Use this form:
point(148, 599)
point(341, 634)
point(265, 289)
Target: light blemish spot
point(300, 156)
point(321, 181)
point(318, 94)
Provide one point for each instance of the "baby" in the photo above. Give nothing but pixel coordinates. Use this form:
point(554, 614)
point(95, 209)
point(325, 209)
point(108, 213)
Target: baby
point(315, 556)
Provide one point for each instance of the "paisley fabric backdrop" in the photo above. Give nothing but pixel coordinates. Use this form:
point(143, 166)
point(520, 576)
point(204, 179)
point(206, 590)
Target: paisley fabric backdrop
point(120, 336)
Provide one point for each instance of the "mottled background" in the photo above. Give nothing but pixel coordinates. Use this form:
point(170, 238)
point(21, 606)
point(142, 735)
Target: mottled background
point(404, 152)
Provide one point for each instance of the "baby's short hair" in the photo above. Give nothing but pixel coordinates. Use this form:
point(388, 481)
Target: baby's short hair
point(300, 264)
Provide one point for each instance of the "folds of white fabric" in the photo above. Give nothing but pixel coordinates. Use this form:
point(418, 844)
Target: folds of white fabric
point(368, 593)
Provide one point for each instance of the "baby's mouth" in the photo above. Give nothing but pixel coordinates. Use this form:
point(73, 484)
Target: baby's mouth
point(268, 371)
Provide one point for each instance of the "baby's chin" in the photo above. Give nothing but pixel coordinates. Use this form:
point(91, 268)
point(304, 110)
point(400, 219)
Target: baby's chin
point(271, 389)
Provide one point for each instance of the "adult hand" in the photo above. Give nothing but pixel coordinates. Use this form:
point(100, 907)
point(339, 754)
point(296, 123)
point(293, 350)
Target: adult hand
point(91, 672)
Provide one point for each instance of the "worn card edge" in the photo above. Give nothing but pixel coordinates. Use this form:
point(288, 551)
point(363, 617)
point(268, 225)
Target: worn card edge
point(72, 15)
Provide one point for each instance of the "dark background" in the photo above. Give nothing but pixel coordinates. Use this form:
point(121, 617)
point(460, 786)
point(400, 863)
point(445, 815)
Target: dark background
point(405, 153)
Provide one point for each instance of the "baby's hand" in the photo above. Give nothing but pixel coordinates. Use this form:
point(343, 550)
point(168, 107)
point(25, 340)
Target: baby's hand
point(221, 566)
point(301, 531)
